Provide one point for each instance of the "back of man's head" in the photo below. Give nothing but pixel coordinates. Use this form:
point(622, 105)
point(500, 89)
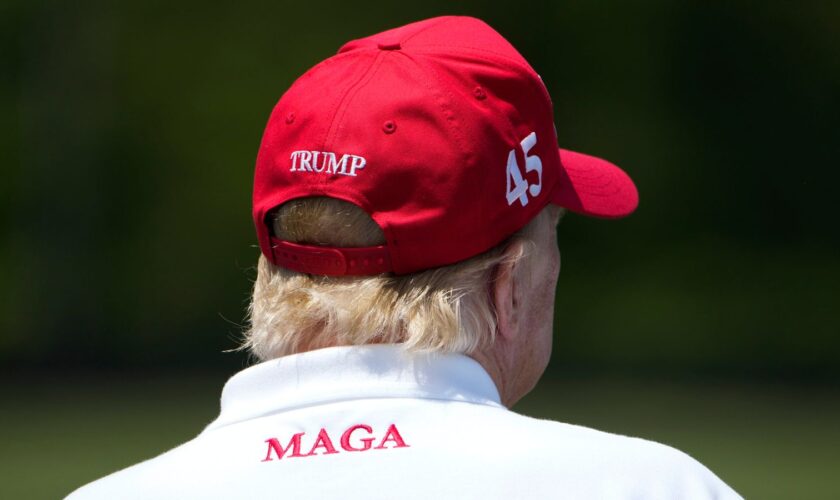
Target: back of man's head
point(447, 308)
point(401, 182)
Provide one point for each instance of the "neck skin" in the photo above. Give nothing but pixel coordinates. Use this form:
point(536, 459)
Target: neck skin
point(514, 370)
point(495, 368)
point(522, 291)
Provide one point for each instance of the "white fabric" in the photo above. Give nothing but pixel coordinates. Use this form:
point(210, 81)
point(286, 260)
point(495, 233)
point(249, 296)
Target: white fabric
point(458, 441)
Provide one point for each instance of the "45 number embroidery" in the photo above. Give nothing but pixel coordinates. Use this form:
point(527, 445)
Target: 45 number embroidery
point(518, 187)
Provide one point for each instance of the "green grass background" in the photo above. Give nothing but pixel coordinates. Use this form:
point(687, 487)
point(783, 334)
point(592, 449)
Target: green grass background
point(767, 442)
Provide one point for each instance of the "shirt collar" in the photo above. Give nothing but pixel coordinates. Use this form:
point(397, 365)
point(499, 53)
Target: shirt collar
point(356, 372)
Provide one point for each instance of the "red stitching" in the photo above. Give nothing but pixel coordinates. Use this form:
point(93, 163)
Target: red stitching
point(392, 435)
point(274, 445)
point(323, 441)
point(366, 442)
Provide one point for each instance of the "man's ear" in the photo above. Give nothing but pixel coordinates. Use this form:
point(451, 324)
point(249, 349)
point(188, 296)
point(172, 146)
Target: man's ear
point(504, 292)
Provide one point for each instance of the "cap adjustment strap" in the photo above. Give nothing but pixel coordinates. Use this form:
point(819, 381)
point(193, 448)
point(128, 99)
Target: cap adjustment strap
point(330, 261)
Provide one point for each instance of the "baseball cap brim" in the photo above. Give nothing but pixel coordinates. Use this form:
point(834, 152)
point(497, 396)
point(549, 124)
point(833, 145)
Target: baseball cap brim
point(593, 186)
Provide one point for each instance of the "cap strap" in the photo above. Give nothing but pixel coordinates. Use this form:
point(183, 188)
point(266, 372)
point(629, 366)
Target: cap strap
point(330, 261)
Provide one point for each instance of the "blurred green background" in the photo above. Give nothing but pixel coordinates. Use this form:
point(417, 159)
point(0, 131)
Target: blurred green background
point(709, 320)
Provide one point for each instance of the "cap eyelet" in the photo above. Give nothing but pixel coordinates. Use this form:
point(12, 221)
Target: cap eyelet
point(479, 94)
point(290, 118)
point(389, 127)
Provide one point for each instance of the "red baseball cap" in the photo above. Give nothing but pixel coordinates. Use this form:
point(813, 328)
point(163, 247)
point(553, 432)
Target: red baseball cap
point(440, 131)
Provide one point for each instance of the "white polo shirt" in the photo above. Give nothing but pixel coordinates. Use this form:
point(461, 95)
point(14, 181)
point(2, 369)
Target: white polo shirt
point(375, 422)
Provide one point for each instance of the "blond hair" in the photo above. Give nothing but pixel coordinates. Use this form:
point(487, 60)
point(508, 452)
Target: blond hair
point(442, 309)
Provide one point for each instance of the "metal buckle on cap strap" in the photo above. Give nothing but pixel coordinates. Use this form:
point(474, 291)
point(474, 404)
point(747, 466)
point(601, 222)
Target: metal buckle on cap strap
point(331, 261)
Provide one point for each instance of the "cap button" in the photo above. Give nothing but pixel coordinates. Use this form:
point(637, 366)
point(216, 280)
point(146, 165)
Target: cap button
point(389, 45)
